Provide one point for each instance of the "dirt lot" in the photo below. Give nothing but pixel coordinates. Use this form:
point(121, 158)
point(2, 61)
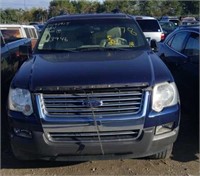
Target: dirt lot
point(184, 160)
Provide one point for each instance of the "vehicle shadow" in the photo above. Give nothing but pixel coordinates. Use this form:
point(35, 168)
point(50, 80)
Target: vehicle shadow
point(186, 148)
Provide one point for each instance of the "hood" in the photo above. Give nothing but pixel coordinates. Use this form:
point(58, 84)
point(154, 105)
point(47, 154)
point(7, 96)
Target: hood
point(89, 68)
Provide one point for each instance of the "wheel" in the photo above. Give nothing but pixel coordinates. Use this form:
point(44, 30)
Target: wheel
point(163, 154)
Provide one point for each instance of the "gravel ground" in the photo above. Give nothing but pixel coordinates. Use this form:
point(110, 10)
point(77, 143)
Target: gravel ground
point(184, 160)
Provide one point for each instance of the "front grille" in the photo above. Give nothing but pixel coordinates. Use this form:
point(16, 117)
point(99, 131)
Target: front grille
point(93, 136)
point(94, 101)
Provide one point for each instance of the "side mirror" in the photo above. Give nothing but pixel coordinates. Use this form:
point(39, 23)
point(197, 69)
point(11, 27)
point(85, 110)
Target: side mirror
point(153, 45)
point(25, 51)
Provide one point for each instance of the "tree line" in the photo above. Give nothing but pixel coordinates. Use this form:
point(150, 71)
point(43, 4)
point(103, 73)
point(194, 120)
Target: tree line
point(133, 7)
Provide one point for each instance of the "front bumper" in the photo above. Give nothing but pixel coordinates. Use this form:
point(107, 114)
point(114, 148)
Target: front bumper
point(39, 147)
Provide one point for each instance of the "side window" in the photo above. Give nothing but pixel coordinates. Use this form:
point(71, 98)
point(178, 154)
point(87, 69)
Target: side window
point(192, 46)
point(30, 32)
point(27, 33)
point(34, 34)
point(10, 34)
point(178, 41)
point(170, 41)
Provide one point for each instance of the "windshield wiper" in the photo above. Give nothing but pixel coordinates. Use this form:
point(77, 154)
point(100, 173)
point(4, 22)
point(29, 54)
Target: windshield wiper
point(101, 49)
point(57, 50)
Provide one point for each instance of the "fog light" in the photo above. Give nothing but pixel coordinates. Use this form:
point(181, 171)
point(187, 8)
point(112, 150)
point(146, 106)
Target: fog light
point(22, 133)
point(165, 128)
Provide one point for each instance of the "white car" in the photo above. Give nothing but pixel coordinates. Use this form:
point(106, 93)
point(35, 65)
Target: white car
point(19, 31)
point(150, 27)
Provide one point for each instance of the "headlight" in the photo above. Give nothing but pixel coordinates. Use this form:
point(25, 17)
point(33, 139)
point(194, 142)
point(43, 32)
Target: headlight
point(20, 100)
point(164, 95)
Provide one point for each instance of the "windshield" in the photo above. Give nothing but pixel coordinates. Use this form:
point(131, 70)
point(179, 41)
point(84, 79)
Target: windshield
point(176, 22)
point(91, 34)
point(167, 25)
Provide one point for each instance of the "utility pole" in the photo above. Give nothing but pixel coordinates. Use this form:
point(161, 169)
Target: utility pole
point(24, 4)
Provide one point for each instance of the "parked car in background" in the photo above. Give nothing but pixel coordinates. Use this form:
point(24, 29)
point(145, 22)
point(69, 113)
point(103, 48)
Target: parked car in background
point(10, 57)
point(31, 32)
point(180, 52)
point(34, 23)
point(150, 27)
point(173, 19)
point(93, 89)
point(167, 27)
point(197, 18)
point(39, 28)
point(19, 31)
point(11, 60)
point(190, 21)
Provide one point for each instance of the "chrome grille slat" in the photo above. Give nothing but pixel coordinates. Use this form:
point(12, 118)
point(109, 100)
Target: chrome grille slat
point(89, 110)
point(113, 101)
point(61, 105)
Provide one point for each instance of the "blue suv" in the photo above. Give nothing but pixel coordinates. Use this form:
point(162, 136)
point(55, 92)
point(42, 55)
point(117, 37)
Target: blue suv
point(93, 89)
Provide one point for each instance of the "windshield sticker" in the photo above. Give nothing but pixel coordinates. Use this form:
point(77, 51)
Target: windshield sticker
point(64, 39)
point(132, 32)
point(53, 27)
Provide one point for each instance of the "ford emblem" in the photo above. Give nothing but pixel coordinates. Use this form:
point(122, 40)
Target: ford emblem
point(92, 103)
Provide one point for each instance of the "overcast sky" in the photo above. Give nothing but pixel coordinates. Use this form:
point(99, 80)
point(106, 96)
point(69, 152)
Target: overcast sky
point(25, 3)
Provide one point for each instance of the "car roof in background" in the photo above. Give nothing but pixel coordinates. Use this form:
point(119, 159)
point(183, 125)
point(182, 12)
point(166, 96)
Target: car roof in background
point(10, 25)
point(28, 26)
point(144, 17)
point(15, 25)
point(169, 17)
point(189, 19)
point(189, 27)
